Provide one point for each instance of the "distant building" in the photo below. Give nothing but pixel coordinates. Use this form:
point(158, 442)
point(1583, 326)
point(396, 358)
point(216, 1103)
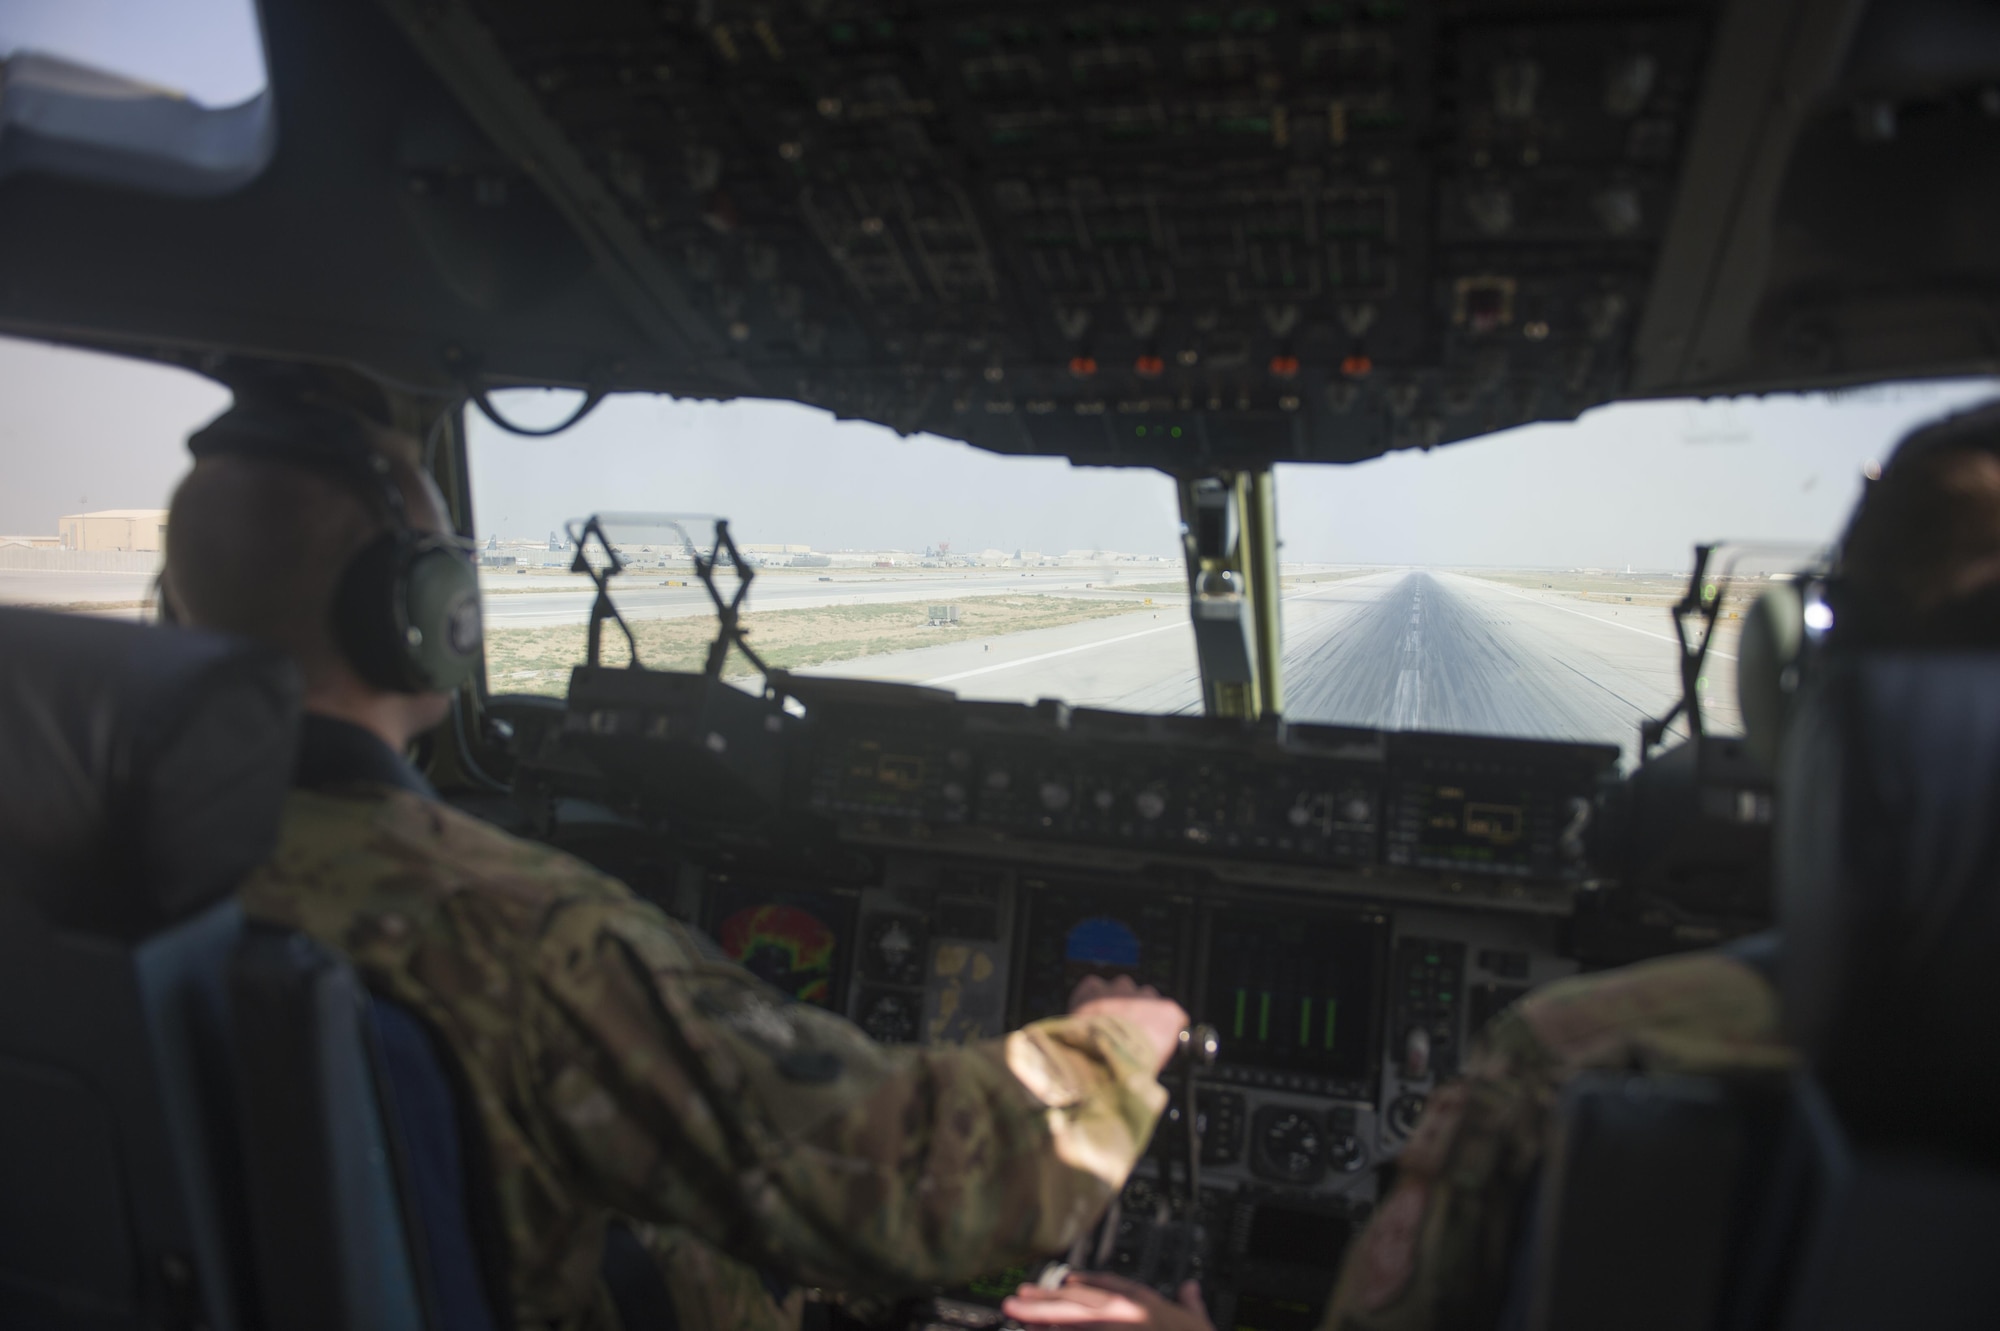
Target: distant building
point(115, 529)
point(30, 542)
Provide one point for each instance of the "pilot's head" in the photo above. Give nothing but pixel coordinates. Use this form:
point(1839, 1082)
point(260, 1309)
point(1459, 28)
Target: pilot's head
point(307, 527)
point(1919, 567)
point(1922, 551)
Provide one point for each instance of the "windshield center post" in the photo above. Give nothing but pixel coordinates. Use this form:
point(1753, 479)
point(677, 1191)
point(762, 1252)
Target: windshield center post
point(1229, 539)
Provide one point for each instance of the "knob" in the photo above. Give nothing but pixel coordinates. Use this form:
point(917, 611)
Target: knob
point(1405, 1114)
point(1150, 804)
point(1055, 796)
point(1346, 1153)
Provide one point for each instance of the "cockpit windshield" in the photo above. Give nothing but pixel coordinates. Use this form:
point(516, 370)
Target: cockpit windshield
point(1519, 585)
point(1522, 585)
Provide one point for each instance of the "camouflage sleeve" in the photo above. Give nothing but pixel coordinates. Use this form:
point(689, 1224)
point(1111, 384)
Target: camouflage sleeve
point(1438, 1251)
point(684, 1091)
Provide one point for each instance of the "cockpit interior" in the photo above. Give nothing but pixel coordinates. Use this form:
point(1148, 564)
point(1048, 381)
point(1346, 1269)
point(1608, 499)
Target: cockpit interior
point(1206, 240)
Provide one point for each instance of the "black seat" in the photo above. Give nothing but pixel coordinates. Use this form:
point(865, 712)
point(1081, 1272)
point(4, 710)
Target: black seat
point(1888, 878)
point(1862, 1192)
point(141, 775)
point(193, 1131)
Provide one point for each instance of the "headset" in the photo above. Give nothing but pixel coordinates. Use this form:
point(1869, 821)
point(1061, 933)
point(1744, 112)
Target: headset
point(406, 611)
point(1794, 625)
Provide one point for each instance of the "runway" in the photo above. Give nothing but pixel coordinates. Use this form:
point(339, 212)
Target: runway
point(1402, 649)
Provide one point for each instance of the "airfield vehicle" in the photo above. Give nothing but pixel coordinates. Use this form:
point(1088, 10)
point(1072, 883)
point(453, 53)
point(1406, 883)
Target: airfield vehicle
point(1205, 238)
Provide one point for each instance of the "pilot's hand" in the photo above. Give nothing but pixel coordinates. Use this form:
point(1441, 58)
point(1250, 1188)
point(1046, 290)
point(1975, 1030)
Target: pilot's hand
point(1100, 1301)
point(1162, 1019)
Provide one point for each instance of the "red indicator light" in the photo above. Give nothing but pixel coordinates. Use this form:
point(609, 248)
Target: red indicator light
point(1357, 367)
point(1149, 367)
point(1284, 367)
point(1083, 366)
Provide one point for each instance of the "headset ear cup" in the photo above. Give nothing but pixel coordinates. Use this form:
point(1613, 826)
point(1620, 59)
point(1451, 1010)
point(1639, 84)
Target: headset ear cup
point(1768, 655)
point(441, 603)
point(368, 623)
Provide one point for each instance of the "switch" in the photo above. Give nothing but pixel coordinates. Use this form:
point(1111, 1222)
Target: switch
point(1416, 1054)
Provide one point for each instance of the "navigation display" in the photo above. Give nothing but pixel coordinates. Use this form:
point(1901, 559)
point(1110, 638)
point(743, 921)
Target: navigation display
point(797, 942)
point(1295, 992)
point(1074, 931)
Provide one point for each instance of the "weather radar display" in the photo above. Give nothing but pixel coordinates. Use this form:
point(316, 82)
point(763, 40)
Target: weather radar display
point(793, 941)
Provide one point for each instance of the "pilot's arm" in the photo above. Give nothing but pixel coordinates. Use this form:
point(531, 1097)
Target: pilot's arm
point(685, 1091)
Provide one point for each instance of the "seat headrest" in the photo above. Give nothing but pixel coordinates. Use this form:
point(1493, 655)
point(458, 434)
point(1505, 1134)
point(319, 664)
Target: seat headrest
point(1887, 860)
point(142, 770)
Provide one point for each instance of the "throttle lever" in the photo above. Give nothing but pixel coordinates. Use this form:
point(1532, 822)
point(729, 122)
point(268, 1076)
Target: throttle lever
point(1200, 1044)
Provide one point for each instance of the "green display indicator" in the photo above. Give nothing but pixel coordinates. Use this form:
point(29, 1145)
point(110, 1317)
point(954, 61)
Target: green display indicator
point(1332, 1006)
point(1305, 1022)
point(1242, 1000)
point(1264, 1018)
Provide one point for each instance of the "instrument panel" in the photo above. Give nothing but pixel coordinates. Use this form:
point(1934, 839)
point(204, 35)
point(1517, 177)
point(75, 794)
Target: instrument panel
point(1345, 907)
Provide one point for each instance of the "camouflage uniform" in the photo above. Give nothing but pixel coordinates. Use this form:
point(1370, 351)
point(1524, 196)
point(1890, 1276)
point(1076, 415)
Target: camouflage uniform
point(1437, 1251)
point(618, 1068)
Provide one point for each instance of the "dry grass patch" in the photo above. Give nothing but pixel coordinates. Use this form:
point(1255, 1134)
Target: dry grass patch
point(539, 660)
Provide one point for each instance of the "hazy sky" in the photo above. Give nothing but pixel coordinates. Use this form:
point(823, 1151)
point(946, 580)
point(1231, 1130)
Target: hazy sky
point(208, 49)
point(1636, 483)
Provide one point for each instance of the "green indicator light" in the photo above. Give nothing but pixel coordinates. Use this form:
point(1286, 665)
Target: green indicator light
point(1444, 997)
point(1431, 960)
point(1140, 431)
point(1242, 995)
point(1305, 1022)
point(1264, 1018)
point(1175, 432)
point(1331, 1008)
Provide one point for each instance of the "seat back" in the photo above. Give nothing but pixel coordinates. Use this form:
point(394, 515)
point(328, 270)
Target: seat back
point(1887, 864)
point(1644, 1202)
point(331, 1247)
point(1888, 877)
point(1871, 1195)
point(141, 775)
point(355, 1165)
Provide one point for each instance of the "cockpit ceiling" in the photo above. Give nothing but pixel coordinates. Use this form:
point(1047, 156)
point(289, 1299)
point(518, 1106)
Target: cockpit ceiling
point(1177, 235)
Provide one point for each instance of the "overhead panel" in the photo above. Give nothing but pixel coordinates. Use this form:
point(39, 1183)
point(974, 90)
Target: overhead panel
point(1187, 235)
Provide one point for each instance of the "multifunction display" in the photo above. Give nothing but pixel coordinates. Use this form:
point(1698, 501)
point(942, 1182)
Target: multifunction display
point(1079, 930)
point(1295, 993)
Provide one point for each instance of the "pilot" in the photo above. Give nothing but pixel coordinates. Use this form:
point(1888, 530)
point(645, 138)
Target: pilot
point(1920, 563)
point(621, 1068)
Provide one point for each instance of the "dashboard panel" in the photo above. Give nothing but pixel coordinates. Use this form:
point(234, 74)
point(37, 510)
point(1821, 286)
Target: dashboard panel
point(1345, 907)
